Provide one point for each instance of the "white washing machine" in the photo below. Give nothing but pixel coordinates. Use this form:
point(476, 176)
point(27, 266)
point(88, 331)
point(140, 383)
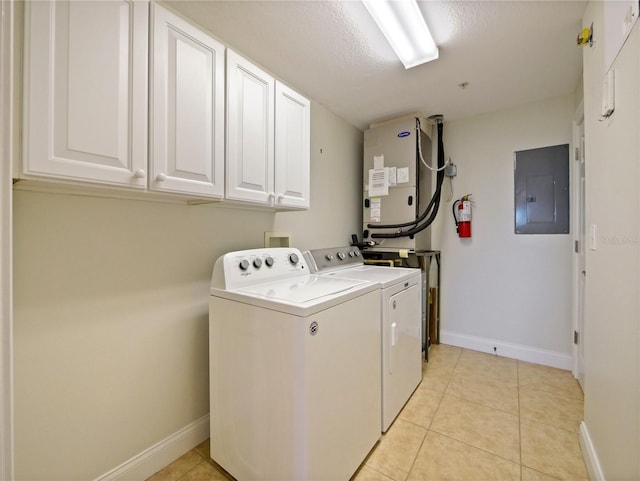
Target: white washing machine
point(294, 368)
point(400, 314)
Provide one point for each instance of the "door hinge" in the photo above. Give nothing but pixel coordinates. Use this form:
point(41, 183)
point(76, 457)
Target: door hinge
point(575, 337)
point(577, 247)
point(577, 153)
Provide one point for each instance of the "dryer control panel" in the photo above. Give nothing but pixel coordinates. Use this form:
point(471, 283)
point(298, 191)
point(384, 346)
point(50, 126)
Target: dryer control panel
point(252, 266)
point(322, 260)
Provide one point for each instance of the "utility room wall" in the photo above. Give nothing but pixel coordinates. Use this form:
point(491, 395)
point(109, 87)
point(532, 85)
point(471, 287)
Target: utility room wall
point(500, 289)
point(111, 308)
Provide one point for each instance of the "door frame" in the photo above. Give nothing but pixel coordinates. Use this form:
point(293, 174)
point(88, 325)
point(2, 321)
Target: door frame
point(9, 59)
point(577, 206)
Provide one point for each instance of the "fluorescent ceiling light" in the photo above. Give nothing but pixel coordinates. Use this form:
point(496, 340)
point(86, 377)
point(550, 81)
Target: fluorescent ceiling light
point(405, 29)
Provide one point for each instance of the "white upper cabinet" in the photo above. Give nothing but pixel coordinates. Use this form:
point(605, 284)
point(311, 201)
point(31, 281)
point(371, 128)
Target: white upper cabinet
point(268, 127)
point(250, 131)
point(292, 154)
point(125, 93)
point(86, 91)
point(187, 108)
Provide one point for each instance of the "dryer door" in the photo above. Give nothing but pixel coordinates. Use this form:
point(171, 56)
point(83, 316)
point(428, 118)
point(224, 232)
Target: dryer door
point(404, 331)
point(403, 357)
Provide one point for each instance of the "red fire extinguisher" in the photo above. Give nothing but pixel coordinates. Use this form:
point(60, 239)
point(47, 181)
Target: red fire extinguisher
point(462, 216)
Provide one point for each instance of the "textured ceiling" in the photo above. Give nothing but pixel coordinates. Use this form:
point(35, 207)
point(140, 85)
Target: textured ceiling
point(508, 53)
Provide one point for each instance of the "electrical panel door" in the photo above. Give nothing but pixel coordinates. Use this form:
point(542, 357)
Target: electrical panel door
point(541, 184)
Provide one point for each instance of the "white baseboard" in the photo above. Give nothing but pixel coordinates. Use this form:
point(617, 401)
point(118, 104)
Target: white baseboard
point(505, 349)
point(589, 454)
point(153, 459)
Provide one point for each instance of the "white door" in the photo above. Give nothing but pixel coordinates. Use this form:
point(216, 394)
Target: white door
point(292, 156)
point(86, 91)
point(250, 131)
point(187, 115)
point(579, 250)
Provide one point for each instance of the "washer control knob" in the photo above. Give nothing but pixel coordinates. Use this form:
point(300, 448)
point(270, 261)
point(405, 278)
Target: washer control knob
point(257, 263)
point(269, 261)
point(341, 256)
point(293, 258)
point(357, 253)
point(352, 254)
point(244, 264)
point(329, 257)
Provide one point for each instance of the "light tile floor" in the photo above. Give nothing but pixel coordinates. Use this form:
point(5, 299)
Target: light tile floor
point(474, 417)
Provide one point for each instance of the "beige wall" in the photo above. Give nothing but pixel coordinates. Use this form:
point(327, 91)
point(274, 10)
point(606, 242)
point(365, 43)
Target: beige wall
point(612, 327)
point(335, 214)
point(498, 288)
point(111, 308)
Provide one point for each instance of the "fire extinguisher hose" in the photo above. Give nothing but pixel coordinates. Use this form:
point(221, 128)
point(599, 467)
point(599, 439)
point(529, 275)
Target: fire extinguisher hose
point(455, 217)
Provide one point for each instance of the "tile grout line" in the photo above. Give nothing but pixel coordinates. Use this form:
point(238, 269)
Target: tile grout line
point(434, 416)
point(372, 469)
point(535, 421)
point(540, 423)
point(554, 391)
point(484, 450)
point(478, 403)
point(202, 460)
point(426, 432)
point(562, 395)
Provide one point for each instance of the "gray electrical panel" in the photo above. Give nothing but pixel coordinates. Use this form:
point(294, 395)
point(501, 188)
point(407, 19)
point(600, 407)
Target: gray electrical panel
point(403, 188)
point(541, 184)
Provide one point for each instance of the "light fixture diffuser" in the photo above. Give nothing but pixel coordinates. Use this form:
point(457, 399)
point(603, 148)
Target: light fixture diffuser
point(405, 29)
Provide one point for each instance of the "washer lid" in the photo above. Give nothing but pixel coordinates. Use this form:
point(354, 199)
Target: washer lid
point(302, 296)
point(300, 290)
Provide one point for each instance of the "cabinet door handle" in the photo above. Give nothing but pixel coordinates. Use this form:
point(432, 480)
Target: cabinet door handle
point(279, 198)
point(161, 177)
point(139, 174)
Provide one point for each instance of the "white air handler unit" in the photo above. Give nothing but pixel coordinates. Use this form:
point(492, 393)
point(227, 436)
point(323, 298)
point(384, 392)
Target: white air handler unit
point(396, 187)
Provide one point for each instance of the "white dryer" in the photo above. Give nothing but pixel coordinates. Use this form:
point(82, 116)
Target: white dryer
point(294, 368)
point(400, 313)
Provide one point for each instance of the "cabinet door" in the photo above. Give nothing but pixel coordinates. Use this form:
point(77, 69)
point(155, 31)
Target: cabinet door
point(187, 114)
point(292, 156)
point(86, 91)
point(250, 131)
